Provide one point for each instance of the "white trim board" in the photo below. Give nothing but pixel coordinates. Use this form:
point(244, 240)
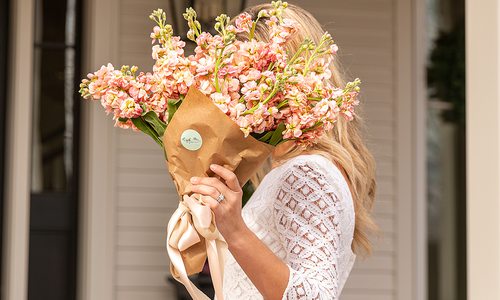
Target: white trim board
point(97, 206)
point(18, 154)
point(483, 149)
point(411, 149)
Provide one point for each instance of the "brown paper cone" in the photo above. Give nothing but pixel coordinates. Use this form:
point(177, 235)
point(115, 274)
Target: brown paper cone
point(222, 142)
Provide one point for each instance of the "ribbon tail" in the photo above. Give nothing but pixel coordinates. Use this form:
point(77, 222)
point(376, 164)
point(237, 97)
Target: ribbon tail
point(216, 258)
point(177, 264)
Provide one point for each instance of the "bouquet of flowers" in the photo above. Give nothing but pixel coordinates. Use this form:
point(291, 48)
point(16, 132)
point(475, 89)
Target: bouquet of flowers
point(228, 103)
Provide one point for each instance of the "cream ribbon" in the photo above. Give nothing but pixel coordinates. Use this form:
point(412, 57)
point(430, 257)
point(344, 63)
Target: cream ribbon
point(192, 235)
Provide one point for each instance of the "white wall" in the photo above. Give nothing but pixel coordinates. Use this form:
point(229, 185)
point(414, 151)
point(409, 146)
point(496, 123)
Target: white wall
point(376, 40)
point(18, 153)
point(483, 149)
point(146, 197)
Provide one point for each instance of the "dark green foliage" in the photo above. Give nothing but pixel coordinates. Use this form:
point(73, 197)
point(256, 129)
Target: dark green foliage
point(248, 190)
point(446, 71)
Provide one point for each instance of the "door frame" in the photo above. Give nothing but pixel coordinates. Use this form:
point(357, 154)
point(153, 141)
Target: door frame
point(4, 54)
point(18, 152)
point(483, 148)
point(411, 91)
point(97, 220)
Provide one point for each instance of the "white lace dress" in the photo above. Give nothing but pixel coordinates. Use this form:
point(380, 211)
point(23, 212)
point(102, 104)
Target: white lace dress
point(303, 211)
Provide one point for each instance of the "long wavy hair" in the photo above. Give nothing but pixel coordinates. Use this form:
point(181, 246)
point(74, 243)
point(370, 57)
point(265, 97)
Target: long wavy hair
point(343, 145)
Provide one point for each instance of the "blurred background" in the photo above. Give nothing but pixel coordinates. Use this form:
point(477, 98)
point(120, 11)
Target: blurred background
point(84, 206)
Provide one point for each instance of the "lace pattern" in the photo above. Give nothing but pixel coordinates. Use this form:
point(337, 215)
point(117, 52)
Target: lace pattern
point(303, 212)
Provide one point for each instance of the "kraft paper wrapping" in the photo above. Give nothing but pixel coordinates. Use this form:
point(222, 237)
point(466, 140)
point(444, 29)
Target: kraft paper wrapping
point(198, 135)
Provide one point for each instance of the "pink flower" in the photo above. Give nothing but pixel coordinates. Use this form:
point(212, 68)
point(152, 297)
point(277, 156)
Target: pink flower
point(184, 79)
point(111, 101)
point(204, 65)
point(248, 86)
point(206, 87)
point(250, 91)
point(233, 85)
point(275, 112)
point(334, 48)
point(252, 75)
point(221, 101)
point(125, 125)
point(243, 22)
point(293, 129)
point(137, 92)
point(203, 38)
point(130, 109)
point(272, 22)
point(282, 32)
point(155, 34)
point(245, 123)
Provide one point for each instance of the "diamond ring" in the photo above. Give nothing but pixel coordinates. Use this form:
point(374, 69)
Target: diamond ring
point(220, 198)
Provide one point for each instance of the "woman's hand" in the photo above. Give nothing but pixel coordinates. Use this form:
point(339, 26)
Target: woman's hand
point(228, 211)
point(267, 272)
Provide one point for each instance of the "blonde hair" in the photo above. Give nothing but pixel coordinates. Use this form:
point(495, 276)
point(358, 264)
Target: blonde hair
point(343, 145)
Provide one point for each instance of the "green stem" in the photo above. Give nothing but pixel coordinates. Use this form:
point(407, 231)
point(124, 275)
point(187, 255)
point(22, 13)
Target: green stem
point(277, 83)
point(271, 65)
point(312, 127)
point(273, 93)
point(252, 30)
point(269, 97)
point(216, 71)
point(280, 105)
point(242, 98)
point(313, 56)
point(302, 48)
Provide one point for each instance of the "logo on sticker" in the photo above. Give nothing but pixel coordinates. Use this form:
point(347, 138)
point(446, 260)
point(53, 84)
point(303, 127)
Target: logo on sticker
point(191, 140)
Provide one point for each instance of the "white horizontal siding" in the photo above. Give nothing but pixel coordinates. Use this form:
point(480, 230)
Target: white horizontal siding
point(146, 198)
point(146, 195)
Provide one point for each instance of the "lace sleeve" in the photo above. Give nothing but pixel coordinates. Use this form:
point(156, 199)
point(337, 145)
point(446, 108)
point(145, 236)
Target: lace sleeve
point(306, 216)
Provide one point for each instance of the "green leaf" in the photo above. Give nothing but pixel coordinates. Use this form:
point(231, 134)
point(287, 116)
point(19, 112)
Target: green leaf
point(266, 136)
point(248, 189)
point(173, 105)
point(277, 135)
point(280, 105)
point(158, 125)
point(143, 126)
point(123, 120)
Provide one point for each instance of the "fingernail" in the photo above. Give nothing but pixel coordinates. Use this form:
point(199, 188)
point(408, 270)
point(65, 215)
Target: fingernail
point(194, 179)
point(213, 166)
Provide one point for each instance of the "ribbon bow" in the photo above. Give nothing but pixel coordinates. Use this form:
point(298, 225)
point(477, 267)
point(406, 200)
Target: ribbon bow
point(192, 236)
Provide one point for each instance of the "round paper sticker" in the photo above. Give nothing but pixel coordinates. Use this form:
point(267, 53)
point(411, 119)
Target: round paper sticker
point(191, 139)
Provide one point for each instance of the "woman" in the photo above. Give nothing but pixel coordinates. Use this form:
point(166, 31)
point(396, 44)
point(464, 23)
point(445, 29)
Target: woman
point(298, 235)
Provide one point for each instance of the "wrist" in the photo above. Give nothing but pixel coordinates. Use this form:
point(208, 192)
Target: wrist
point(238, 237)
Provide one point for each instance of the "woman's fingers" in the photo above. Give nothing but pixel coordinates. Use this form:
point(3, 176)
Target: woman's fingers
point(205, 190)
point(228, 176)
point(210, 202)
point(211, 181)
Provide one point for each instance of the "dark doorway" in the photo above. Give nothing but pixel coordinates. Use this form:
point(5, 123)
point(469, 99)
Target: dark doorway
point(446, 201)
point(55, 144)
point(4, 48)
